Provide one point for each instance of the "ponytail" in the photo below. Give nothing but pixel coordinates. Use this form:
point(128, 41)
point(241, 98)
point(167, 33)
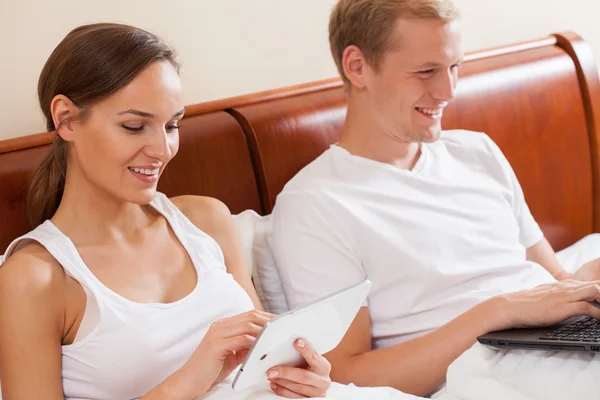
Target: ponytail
point(47, 185)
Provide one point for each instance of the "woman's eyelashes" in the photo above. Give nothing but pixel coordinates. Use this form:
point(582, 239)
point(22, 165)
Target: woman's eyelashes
point(139, 128)
point(133, 128)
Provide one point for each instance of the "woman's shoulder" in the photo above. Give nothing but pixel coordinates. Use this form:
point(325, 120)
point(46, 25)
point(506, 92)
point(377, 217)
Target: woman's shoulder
point(207, 213)
point(31, 273)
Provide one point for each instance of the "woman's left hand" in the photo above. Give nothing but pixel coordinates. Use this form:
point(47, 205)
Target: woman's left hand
point(312, 381)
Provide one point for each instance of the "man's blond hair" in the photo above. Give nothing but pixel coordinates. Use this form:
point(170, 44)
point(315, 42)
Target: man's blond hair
point(368, 24)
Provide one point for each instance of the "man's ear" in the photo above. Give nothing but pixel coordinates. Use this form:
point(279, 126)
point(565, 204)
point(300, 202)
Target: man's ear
point(63, 111)
point(354, 65)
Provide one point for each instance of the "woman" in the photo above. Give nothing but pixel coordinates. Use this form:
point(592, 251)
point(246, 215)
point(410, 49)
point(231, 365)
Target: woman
point(120, 292)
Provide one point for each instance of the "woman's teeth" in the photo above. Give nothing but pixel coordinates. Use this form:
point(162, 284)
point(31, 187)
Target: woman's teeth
point(143, 171)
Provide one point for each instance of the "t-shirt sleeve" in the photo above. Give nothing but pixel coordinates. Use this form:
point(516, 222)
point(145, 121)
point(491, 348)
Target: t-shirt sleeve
point(314, 253)
point(530, 232)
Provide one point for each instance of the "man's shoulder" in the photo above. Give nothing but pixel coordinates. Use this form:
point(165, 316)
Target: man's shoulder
point(466, 139)
point(478, 152)
point(470, 145)
point(316, 175)
point(314, 187)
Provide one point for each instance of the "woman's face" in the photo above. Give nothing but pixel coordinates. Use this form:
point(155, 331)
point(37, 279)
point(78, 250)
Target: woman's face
point(128, 138)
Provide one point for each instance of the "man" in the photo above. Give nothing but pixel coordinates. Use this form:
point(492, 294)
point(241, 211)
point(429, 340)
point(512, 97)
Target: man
point(436, 220)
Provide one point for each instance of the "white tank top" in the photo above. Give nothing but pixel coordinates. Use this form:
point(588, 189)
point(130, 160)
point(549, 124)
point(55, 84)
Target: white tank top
point(135, 346)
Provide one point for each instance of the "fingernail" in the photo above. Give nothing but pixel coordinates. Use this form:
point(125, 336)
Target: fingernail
point(272, 374)
point(300, 343)
point(273, 386)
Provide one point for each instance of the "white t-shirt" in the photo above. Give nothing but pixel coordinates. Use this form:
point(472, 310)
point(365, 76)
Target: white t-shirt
point(434, 241)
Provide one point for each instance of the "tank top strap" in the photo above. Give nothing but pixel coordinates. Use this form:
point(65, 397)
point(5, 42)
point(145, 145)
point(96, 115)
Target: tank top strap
point(176, 218)
point(199, 242)
point(58, 245)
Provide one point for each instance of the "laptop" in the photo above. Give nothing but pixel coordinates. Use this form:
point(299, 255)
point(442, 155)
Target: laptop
point(574, 334)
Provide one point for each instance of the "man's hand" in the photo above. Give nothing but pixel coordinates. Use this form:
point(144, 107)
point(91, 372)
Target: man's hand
point(544, 305)
point(588, 272)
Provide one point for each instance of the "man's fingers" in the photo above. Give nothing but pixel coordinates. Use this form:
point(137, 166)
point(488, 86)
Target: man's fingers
point(589, 292)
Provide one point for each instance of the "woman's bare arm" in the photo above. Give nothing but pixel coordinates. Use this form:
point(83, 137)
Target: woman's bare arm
point(32, 286)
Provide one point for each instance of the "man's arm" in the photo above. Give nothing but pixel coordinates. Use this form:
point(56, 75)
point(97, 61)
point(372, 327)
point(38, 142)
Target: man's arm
point(419, 366)
point(543, 254)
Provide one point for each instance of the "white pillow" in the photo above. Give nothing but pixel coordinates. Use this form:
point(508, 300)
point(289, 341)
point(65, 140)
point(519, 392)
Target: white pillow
point(254, 231)
point(245, 224)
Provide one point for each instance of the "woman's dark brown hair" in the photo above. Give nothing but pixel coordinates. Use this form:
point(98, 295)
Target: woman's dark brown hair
point(91, 63)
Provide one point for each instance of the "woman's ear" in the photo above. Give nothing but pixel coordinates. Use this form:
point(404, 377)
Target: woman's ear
point(63, 112)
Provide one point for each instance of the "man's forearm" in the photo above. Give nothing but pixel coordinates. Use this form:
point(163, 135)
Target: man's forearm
point(419, 365)
point(543, 254)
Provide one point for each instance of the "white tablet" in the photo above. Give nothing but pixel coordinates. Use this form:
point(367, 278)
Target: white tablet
point(323, 323)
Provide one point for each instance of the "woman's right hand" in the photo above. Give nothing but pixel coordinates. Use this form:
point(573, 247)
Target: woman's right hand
point(222, 349)
point(545, 305)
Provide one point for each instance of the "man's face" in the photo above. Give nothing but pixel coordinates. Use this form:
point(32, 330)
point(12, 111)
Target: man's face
point(416, 79)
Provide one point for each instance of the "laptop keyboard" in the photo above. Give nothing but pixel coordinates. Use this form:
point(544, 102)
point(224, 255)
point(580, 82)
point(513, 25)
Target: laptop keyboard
point(585, 330)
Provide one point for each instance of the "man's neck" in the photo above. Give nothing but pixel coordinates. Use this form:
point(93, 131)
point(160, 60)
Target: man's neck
point(362, 137)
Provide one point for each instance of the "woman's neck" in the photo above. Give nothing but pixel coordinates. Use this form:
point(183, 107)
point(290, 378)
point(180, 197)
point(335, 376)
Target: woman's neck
point(89, 214)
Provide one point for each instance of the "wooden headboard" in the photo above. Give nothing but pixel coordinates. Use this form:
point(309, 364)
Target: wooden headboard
point(538, 100)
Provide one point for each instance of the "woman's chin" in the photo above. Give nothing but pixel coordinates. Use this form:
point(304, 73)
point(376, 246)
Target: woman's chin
point(142, 197)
